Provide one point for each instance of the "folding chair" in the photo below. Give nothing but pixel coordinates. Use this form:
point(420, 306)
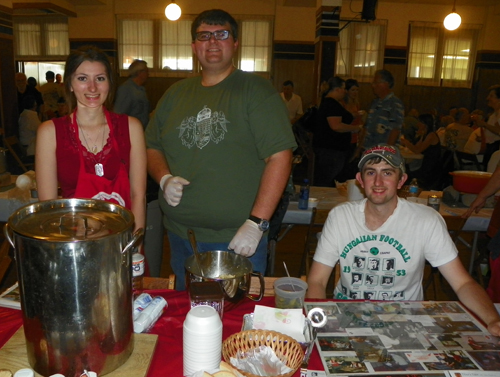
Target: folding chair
point(318, 219)
point(454, 224)
point(275, 225)
point(465, 160)
point(17, 151)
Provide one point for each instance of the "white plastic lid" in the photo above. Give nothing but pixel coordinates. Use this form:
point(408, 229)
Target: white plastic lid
point(26, 372)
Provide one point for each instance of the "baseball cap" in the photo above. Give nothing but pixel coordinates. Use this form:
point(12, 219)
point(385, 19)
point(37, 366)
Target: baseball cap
point(389, 153)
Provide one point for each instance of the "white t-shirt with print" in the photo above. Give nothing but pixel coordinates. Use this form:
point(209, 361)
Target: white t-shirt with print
point(387, 263)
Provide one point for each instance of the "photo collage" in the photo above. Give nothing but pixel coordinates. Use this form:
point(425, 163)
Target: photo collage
point(403, 338)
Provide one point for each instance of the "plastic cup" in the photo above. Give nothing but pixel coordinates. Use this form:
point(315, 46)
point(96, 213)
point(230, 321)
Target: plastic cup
point(289, 293)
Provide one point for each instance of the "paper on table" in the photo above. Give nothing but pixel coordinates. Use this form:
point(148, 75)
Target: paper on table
point(286, 321)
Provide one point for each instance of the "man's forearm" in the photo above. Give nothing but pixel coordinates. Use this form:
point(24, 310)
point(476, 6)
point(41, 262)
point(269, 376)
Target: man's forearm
point(272, 184)
point(157, 164)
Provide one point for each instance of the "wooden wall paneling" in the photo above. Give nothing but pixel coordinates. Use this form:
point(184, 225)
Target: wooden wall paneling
point(8, 98)
point(485, 78)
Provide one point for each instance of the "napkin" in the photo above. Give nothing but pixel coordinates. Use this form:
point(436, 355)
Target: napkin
point(286, 321)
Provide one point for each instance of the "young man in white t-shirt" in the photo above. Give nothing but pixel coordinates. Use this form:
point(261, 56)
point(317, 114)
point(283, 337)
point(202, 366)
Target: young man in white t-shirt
point(387, 230)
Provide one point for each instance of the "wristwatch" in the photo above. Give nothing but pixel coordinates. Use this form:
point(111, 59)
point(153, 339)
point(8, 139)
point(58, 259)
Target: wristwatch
point(262, 223)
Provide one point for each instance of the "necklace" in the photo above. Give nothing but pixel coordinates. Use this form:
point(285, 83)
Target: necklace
point(98, 167)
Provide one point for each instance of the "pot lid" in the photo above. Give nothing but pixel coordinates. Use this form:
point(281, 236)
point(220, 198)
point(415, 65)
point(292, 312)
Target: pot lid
point(71, 220)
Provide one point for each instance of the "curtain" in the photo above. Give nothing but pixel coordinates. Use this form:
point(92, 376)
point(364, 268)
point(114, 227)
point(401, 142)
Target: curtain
point(255, 42)
point(56, 38)
point(28, 39)
point(438, 57)
point(41, 37)
point(360, 51)
point(175, 42)
point(137, 42)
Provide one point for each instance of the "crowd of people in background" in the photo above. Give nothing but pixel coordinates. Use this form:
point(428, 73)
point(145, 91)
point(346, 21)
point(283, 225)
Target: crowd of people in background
point(339, 139)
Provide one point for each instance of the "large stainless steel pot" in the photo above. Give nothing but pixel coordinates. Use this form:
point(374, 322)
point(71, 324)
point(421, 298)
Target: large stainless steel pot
point(231, 270)
point(74, 269)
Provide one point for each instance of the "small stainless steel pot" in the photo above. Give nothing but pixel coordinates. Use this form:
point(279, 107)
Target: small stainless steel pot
point(231, 270)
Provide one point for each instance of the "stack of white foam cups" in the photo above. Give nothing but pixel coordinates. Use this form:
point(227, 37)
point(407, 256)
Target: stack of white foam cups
point(202, 340)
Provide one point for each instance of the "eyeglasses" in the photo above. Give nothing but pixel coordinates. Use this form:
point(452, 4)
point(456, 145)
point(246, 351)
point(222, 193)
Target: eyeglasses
point(220, 35)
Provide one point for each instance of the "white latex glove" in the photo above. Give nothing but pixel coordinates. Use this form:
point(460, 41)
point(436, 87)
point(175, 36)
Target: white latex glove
point(246, 239)
point(172, 188)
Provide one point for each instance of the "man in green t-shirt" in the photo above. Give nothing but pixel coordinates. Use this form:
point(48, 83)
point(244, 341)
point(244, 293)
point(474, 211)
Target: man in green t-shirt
point(220, 146)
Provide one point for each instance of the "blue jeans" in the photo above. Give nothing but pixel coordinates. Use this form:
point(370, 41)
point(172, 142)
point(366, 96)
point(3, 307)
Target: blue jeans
point(180, 250)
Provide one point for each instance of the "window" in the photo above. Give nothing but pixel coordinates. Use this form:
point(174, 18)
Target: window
point(255, 44)
point(439, 57)
point(41, 38)
point(360, 51)
point(166, 45)
point(175, 42)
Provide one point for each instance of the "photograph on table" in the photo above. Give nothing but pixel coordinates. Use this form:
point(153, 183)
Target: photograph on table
point(334, 343)
point(450, 360)
point(376, 337)
point(395, 362)
point(348, 363)
point(487, 360)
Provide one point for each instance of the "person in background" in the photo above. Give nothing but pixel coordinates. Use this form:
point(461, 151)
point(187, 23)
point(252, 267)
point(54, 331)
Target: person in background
point(493, 232)
point(475, 116)
point(410, 129)
point(59, 79)
point(427, 143)
point(292, 101)
point(51, 91)
point(492, 125)
point(332, 135)
point(385, 117)
point(458, 133)
point(92, 153)
point(394, 228)
point(220, 146)
point(351, 104)
point(131, 97)
point(24, 90)
point(62, 107)
point(28, 125)
point(32, 82)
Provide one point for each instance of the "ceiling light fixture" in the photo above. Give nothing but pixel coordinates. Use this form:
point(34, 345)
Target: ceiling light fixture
point(453, 20)
point(173, 11)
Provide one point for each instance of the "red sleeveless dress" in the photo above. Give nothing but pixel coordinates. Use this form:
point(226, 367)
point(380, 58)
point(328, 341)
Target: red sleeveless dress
point(76, 165)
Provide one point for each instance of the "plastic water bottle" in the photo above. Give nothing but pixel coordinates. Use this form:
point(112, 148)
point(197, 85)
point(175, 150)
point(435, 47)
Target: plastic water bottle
point(304, 195)
point(413, 189)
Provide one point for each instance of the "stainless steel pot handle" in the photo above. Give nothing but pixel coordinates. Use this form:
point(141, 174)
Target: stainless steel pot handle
point(7, 234)
point(262, 287)
point(136, 238)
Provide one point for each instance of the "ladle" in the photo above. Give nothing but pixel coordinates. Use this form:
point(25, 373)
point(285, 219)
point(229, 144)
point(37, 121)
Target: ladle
point(192, 240)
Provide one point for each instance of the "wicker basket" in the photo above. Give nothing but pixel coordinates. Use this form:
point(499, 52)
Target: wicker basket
point(287, 349)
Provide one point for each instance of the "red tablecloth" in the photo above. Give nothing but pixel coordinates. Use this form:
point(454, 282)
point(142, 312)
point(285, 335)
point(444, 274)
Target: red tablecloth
point(167, 359)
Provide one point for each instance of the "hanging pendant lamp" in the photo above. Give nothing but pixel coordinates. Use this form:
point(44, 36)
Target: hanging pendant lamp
point(453, 20)
point(173, 11)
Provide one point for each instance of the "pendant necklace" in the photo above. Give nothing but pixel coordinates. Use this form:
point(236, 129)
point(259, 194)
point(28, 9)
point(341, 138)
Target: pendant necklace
point(98, 167)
